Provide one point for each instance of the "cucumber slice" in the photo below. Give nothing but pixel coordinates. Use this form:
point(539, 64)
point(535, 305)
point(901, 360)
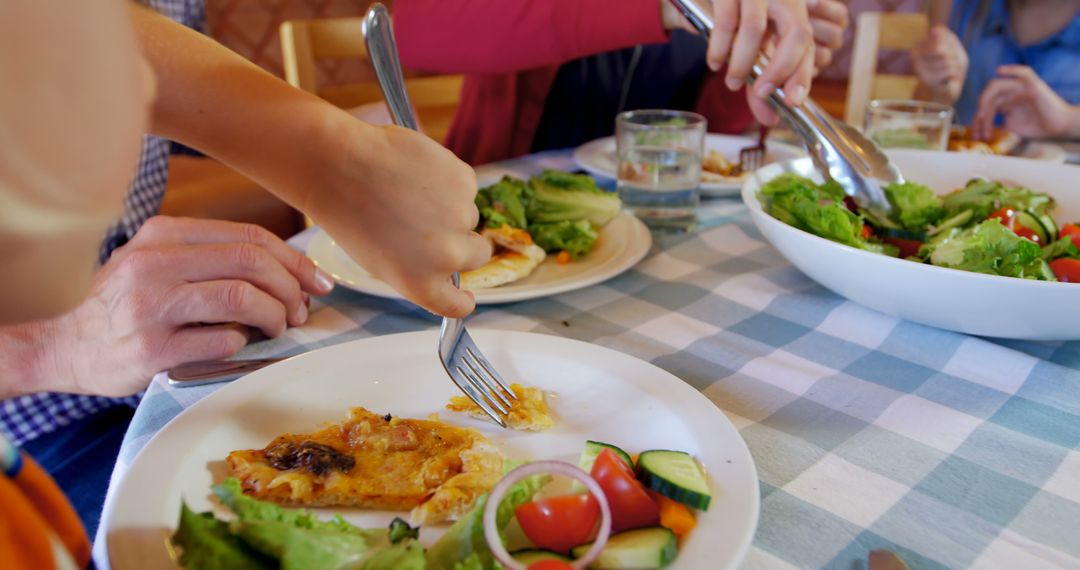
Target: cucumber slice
point(1030, 221)
point(532, 555)
point(593, 449)
point(953, 222)
point(1048, 223)
point(640, 548)
point(676, 475)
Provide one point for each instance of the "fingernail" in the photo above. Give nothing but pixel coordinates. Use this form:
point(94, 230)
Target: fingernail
point(734, 84)
point(797, 95)
point(324, 281)
point(764, 89)
point(301, 314)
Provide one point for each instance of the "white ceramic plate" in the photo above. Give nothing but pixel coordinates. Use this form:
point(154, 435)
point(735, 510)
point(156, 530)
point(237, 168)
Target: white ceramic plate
point(599, 394)
point(598, 158)
point(621, 245)
point(962, 301)
point(1047, 152)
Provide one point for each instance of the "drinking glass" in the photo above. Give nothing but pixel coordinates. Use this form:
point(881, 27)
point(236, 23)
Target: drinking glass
point(659, 166)
point(894, 123)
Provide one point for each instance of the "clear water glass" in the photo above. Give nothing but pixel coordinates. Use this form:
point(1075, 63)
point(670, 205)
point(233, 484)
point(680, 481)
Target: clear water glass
point(895, 123)
point(659, 166)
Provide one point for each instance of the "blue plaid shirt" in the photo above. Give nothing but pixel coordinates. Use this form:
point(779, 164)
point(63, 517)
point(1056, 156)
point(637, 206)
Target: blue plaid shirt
point(27, 417)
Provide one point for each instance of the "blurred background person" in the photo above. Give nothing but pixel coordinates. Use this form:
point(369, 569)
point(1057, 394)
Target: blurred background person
point(955, 64)
point(548, 75)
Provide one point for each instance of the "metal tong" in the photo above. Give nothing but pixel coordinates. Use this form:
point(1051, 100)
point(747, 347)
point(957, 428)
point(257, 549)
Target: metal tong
point(839, 151)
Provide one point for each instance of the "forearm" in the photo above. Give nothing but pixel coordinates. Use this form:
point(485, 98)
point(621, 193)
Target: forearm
point(501, 36)
point(214, 100)
point(28, 359)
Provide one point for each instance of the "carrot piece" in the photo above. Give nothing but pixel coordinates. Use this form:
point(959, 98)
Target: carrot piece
point(633, 458)
point(563, 258)
point(674, 515)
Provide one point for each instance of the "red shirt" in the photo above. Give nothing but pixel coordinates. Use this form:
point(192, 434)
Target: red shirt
point(511, 50)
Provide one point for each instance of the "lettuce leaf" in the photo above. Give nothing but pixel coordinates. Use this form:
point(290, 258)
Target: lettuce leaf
point(916, 205)
point(563, 196)
point(408, 555)
point(1064, 247)
point(993, 249)
point(984, 196)
point(576, 238)
point(208, 545)
point(503, 203)
point(818, 209)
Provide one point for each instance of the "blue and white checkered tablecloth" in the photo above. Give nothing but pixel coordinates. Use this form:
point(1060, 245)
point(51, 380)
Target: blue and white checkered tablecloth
point(867, 431)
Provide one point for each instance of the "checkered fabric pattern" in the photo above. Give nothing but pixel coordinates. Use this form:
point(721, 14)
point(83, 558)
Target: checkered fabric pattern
point(868, 432)
point(25, 418)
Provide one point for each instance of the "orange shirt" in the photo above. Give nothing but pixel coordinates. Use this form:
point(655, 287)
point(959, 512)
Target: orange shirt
point(38, 527)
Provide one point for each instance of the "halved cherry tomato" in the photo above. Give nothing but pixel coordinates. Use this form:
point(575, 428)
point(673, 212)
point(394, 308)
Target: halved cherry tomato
point(1072, 231)
point(866, 232)
point(631, 505)
point(1066, 269)
point(550, 565)
point(559, 523)
point(908, 247)
point(1008, 219)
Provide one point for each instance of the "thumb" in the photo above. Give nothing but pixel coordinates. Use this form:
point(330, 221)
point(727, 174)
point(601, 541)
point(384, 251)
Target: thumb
point(445, 300)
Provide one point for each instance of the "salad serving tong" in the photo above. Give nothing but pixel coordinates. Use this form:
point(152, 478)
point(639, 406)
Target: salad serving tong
point(467, 366)
point(839, 151)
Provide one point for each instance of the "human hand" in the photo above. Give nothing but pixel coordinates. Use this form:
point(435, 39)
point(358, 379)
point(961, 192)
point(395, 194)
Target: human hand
point(181, 290)
point(741, 29)
point(1031, 108)
point(829, 19)
point(941, 63)
point(402, 206)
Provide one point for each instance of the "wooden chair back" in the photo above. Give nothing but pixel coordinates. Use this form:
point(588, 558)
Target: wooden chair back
point(304, 42)
point(875, 31)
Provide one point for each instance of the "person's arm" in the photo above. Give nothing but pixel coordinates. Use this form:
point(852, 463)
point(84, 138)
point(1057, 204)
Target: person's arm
point(396, 201)
point(1031, 107)
point(505, 36)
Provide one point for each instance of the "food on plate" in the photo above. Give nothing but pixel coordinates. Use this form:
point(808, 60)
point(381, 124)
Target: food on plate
point(374, 461)
point(265, 535)
point(985, 227)
point(1001, 141)
point(560, 212)
point(514, 256)
point(529, 412)
point(651, 507)
point(715, 167)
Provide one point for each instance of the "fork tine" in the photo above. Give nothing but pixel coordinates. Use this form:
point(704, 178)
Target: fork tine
point(482, 389)
point(459, 378)
point(489, 386)
point(490, 369)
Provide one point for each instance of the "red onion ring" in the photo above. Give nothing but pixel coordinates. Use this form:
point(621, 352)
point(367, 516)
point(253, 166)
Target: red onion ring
point(491, 532)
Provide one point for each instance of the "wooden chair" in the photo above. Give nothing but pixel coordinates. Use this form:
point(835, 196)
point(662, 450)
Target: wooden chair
point(304, 42)
point(875, 31)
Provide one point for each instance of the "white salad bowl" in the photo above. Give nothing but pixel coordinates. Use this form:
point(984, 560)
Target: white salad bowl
point(971, 303)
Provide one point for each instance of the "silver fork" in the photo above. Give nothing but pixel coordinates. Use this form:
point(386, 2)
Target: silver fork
point(752, 157)
point(461, 358)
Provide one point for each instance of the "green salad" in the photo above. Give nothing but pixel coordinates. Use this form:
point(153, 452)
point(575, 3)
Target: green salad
point(561, 210)
point(985, 227)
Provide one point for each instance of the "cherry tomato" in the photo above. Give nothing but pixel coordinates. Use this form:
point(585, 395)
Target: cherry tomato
point(631, 506)
point(1008, 219)
point(1073, 231)
point(550, 565)
point(1066, 269)
point(908, 247)
point(559, 523)
point(867, 231)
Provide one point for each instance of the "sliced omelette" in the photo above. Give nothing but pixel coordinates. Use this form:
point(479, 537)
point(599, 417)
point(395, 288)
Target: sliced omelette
point(528, 413)
point(515, 257)
point(377, 462)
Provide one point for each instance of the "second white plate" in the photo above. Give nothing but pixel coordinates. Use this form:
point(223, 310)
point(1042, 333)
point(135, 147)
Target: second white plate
point(621, 245)
point(598, 158)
